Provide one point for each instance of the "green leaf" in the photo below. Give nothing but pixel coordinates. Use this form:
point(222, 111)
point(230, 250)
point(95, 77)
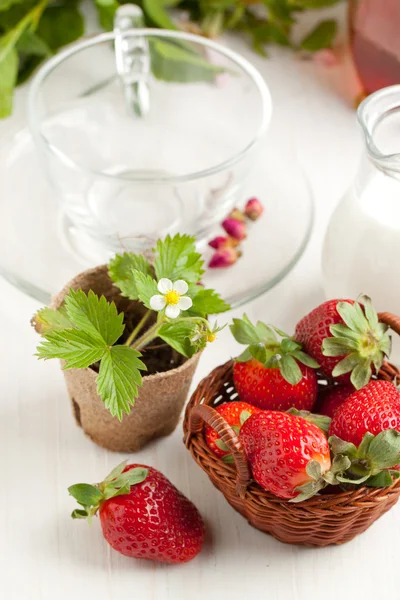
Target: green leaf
point(352, 317)
point(170, 62)
point(156, 12)
point(346, 365)
point(259, 352)
point(121, 271)
point(85, 494)
point(370, 312)
point(8, 79)
point(338, 346)
point(116, 472)
point(339, 446)
point(146, 287)
point(208, 302)
point(60, 25)
point(244, 415)
point(321, 421)
point(245, 332)
point(290, 370)
point(30, 43)
point(78, 348)
point(320, 37)
point(361, 374)
point(119, 378)
point(106, 10)
point(95, 316)
point(6, 4)
point(314, 4)
point(79, 513)
point(305, 359)
point(228, 459)
point(178, 335)
point(382, 479)
point(221, 445)
point(265, 333)
point(177, 258)
point(384, 449)
point(122, 484)
point(47, 320)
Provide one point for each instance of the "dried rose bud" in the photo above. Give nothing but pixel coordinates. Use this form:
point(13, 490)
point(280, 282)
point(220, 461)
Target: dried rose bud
point(222, 241)
point(234, 228)
point(225, 257)
point(253, 209)
point(236, 214)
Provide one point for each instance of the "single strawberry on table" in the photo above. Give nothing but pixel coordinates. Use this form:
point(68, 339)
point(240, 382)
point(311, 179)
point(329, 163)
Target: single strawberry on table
point(331, 398)
point(346, 339)
point(288, 455)
point(272, 374)
point(142, 514)
point(235, 414)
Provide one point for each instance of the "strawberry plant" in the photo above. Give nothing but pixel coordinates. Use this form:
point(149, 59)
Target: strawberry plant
point(87, 330)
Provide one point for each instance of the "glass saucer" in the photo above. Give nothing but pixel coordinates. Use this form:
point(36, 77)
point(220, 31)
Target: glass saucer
point(39, 254)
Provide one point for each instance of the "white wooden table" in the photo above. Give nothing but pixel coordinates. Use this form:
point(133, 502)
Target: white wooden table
point(44, 555)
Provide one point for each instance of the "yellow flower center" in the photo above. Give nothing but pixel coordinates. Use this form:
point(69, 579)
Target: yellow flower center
point(211, 337)
point(172, 297)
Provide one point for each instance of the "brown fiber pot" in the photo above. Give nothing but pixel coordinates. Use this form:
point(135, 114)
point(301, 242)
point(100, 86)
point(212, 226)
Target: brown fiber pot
point(328, 518)
point(161, 398)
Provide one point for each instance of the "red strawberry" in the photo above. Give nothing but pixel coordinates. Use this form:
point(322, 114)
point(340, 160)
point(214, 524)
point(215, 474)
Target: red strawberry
point(280, 447)
point(234, 413)
point(346, 339)
point(374, 408)
point(272, 374)
point(330, 399)
point(142, 514)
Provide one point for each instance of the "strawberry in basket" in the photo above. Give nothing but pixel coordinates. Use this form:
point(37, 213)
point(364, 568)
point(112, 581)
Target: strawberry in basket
point(272, 374)
point(346, 339)
point(235, 414)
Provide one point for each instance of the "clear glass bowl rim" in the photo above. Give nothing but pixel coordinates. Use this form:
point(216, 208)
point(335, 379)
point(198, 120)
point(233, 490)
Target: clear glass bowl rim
point(55, 61)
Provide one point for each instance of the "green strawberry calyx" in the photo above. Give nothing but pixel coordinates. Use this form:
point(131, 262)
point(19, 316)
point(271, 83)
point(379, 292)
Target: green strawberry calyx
point(273, 353)
point(321, 421)
point(117, 483)
point(320, 479)
point(361, 339)
point(374, 463)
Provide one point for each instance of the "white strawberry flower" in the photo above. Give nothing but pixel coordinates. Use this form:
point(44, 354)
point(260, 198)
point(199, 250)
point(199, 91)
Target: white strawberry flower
point(172, 297)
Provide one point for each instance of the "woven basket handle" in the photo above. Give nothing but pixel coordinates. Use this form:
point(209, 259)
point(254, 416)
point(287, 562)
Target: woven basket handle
point(204, 413)
point(391, 320)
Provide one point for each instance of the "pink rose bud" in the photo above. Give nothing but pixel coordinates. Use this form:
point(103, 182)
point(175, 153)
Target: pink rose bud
point(236, 214)
point(235, 228)
point(222, 241)
point(253, 209)
point(224, 257)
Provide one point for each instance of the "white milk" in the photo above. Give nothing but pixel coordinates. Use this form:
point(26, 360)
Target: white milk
point(362, 246)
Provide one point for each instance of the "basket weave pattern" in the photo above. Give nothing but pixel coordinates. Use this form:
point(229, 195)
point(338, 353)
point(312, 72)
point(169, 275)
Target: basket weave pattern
point(329, 518)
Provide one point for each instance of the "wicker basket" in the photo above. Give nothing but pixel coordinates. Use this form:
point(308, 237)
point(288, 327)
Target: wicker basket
point(325, 519)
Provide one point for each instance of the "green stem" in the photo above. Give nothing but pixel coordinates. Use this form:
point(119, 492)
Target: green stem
point(138, 327)
point(147, 337)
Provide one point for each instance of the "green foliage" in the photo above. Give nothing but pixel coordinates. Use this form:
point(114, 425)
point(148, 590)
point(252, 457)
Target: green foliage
point(117, 483)
point(320, 37)
point(31, 30)
point(92, 326)
point(361, 340)
point(85, 329)
point(177, 258)
point(264, 346)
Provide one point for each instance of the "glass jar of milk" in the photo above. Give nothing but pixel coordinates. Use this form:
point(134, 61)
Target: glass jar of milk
point(362, 244)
